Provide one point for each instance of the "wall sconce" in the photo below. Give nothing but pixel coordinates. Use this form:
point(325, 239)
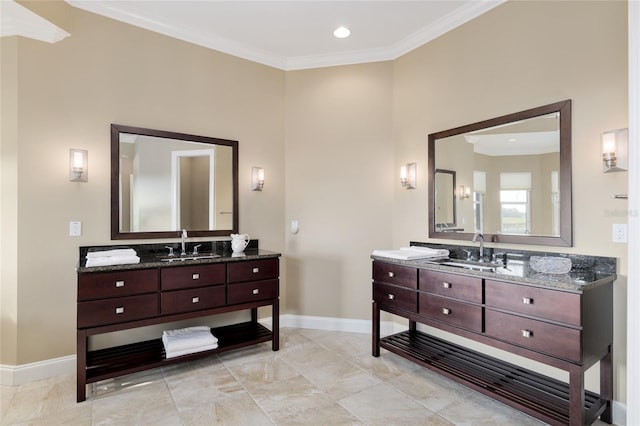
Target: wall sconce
point(408, 175)
point(257, 178)
point(464, 192)
point(615, 148)
point(78, 165)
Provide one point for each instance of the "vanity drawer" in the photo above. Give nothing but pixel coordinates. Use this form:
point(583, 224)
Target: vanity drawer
point(180, 277)
point(451, 311)
point(100, 285)
point(451, 285)
point(556, 340)
point(544, 303)
point(395, 274)
point(392, 296)
point(195, 299)
point(252, 291)
point(117, 309)
point(253, 270)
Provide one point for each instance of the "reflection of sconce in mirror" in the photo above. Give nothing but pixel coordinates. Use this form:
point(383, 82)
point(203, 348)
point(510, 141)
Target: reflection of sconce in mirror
point(615, 147)
point(408, 175)
point(78, 165)
point(464, 192)
point(257, 178)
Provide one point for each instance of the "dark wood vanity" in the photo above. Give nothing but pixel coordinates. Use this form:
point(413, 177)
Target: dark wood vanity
point(147, 294)
point(563, 327)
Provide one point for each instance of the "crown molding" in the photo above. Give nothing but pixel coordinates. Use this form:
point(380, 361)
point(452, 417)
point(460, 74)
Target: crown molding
point(17, 20)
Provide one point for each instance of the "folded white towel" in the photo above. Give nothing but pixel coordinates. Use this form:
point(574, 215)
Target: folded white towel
point(188, 338)
point(111, 260)
point(413, 253)
point(429, 250)
point(125, 252)
point(173, 354)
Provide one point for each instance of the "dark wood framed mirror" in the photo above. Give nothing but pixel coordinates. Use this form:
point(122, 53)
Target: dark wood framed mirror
point(163, 182)
point(514, 177)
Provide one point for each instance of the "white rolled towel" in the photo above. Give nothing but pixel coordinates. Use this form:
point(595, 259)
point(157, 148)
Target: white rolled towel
point(123, 252)
point(186, 339)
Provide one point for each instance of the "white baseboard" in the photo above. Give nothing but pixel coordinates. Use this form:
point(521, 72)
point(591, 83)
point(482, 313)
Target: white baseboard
point(21, 374)
point(15, 375)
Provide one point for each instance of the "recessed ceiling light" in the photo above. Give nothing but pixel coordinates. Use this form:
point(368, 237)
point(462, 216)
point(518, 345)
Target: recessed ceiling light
point(342, 32)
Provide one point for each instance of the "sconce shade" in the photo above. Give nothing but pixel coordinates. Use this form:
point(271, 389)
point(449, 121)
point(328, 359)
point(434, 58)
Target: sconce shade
point(408, 174)
point(615, 148)
point(257, 178)
point(78, 165)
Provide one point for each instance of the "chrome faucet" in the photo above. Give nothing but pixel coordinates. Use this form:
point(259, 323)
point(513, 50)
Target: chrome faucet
point(183, 237)
point(476, 237)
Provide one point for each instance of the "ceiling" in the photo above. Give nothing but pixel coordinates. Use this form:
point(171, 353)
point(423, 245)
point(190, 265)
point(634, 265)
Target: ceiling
point(296, 34)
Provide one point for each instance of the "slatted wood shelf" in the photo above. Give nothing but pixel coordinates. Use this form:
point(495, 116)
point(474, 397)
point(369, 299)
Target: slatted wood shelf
point(537, 395)
point(126, 359)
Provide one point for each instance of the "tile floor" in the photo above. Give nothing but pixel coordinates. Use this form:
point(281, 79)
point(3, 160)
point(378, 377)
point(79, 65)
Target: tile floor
point(317, 378)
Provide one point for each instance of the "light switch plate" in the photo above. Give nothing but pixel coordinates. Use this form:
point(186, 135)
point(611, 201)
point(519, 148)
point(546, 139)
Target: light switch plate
point(75, 228)
point(619, 232)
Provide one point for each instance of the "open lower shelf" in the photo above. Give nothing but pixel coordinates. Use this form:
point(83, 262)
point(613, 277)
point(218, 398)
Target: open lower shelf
point(532, 393)
point(120, 360)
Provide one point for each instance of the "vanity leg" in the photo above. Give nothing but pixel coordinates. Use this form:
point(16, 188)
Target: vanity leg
point(412, 326)
point(576, 396)
point(375, 335)
point(275, 324)
point(606, 384)
point(81, 365)
point(254, 315)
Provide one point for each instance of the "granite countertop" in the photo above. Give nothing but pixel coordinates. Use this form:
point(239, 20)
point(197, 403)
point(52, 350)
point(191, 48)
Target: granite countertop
point(155, 256)
point(587, 271)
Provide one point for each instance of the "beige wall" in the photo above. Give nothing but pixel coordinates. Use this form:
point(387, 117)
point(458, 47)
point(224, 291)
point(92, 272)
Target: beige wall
point(517, 56)
point(68, 93)
point(331, 141)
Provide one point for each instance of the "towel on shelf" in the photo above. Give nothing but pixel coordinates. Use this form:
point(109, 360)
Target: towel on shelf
point(111, 260)
point(413, 253)
point(188, 340)
point(122, 252)
point(173, 354)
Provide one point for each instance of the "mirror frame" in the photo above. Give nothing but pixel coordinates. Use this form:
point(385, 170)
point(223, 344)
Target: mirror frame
point(116, 234)
point(566, 228)
point(453, 196)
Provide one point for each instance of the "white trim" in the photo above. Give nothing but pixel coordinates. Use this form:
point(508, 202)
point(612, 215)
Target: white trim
point(633, 272)
point(175, 184)
point(17, 20)
point(15, 375)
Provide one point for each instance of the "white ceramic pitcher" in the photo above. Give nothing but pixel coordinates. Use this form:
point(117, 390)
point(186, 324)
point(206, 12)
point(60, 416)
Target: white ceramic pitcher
point(239, 242)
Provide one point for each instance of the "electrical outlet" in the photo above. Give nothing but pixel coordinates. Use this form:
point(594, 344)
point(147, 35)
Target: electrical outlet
point(619, 231)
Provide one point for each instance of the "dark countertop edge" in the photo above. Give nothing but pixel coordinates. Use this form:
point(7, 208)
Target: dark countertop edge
point(155, 263)
point(572, 287)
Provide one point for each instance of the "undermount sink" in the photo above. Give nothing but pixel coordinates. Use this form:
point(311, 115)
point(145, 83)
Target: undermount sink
point(189, 257)
point(473, 266)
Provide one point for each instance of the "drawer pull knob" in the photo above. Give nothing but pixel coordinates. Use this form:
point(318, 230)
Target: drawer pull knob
point(527, 333)
point(195, 276)
point(256, 291)
point(119, 283)
point(392, 274)
point(256, 270)
point(391, 296)
point(446, 284)
point(527, 301)
point(446, 311)
point(120, 310)
point(195, 299)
